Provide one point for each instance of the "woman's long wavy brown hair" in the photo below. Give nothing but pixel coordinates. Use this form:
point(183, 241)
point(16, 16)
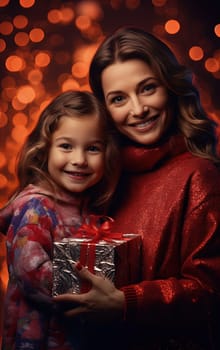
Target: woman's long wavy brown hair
point(190, 118)
point(33, 158)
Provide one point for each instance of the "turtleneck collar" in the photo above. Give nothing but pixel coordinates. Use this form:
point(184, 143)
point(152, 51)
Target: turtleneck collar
point(138, 158)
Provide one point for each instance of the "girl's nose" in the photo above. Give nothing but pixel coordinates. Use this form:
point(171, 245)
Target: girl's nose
point(79, 158)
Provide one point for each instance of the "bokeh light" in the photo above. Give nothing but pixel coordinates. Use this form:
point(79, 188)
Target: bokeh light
point(20, 21)
point(46, 47)
point(27, 3)
point(212, 65)
point(21, 39)
point(196, 53)
point(83, 22)
point(14, 63)
point(6, 28)
point(54, 16)
point(67, 15)
point(36, 35)
point(35, 76)
point(20, 119)
point(172, 26)
point(42, 59)
point(19, 133)
point(80, 70)
point(217, 30)
point(25, 94)
point(4, 3)
point(2, 45)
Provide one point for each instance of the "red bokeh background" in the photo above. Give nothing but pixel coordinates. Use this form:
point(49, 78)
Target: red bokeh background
point(46, 47)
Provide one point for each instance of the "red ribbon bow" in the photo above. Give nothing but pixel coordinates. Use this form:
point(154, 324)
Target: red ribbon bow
point(98, 228)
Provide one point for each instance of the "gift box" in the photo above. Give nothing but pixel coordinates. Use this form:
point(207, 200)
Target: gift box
point(113, 255)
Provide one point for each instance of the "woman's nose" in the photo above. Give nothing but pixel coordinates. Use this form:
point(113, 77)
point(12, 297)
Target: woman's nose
point(137, 107)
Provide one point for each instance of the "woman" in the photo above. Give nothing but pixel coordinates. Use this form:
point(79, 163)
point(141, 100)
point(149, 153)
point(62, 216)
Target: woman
point(169, 193)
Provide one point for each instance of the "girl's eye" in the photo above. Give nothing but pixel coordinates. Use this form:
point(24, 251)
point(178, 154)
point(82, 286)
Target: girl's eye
point(65, 146)
point(95, 149)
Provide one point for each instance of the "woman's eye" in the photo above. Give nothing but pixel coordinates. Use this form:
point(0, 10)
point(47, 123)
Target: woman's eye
point(149, 88)
point(117, 99)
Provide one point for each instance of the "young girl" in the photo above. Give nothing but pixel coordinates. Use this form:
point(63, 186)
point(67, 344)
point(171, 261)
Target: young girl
point(66, 170)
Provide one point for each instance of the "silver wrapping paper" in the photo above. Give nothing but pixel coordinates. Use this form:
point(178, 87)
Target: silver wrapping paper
point(118, 260)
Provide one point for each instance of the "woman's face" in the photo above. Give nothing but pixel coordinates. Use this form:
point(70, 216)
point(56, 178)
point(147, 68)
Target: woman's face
point(136, 100)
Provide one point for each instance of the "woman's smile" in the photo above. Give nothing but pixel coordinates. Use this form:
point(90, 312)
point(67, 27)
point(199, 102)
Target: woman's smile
point(146, 124)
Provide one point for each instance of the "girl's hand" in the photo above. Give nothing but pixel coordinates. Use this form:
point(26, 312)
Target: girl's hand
point(102, 301)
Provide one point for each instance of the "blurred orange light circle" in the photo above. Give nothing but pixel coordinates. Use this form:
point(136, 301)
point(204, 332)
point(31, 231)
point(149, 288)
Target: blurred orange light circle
point(80, 69)
point(14, 63)
point(20, 21)
point(26, 3)
point(21, 39)
point(70, 84)
point(172, 26)
point(212, 65)
point(54, 16)
point(36, 35)
point(42, 59)
point(83, 22)
point(20, 119)
point(4, 3)
point(196, 53)
point(35, 76)
point(6, 28)
point(91, 9)
point(26, 94)
point(17, 105)
point(67, 14)
point(19, 133)
point(2, 45)
point(3, 119)
point(217, 30)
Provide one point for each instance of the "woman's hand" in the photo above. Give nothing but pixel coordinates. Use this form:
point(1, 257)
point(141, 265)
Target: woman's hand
point(102, 301)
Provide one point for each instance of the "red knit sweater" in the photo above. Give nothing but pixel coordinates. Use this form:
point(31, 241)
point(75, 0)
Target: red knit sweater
point(172, 199)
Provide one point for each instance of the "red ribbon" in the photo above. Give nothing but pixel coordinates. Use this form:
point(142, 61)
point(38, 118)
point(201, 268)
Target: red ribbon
point(95, 228)
point(98, 230)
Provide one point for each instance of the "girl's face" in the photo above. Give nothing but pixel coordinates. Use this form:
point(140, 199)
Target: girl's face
point(136, 100)
point(77, 153)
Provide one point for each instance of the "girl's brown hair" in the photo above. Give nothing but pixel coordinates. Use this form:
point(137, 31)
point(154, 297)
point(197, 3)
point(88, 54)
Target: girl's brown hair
point(191, 120)
point(33, 158)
